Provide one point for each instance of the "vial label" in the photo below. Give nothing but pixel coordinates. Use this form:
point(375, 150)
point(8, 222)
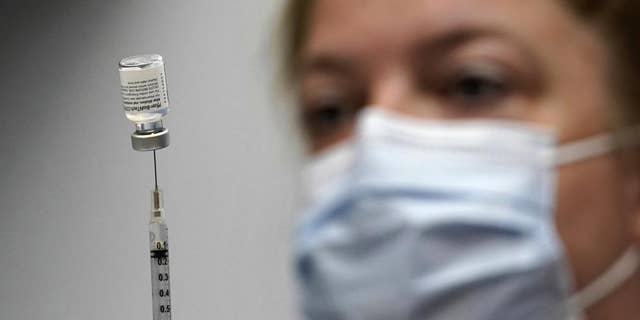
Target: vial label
point(144, 91)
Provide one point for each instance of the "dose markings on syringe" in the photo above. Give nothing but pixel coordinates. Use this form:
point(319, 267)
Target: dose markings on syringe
point(160, 281)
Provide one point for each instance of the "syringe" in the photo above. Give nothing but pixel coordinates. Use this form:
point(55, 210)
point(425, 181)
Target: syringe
point(145, 101)
point(159, 247)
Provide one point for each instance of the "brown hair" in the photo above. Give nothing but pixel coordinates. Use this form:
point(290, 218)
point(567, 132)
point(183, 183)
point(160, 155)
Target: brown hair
point(618, 21)
point(619, 24)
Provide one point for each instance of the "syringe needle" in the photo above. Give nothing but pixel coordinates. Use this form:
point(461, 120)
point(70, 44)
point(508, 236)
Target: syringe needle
point(155, 169)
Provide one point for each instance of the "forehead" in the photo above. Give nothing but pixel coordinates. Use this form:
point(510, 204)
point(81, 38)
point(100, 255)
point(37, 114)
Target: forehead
point(387, 25)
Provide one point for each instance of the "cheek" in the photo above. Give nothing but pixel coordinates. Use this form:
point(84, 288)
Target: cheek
point(342, 134)
point(590, 217)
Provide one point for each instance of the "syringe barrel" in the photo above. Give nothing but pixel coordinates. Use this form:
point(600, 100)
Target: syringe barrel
point(160, 276)
point(159, 248)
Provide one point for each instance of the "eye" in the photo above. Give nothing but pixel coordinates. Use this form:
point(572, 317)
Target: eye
point(476, 87)
point(325, 119)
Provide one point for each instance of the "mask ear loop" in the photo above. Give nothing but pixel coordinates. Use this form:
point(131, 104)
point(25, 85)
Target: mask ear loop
point(629, 263)
point(614, 278)
point(598, 145)
point(585, 149)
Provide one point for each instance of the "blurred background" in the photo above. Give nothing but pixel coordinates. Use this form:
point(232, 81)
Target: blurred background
point(75, 197)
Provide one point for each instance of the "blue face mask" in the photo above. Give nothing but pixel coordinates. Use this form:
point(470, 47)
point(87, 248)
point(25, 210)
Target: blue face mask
point(418, 219)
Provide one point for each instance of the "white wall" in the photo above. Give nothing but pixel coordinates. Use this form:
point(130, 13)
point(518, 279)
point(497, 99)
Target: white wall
point(74, 196)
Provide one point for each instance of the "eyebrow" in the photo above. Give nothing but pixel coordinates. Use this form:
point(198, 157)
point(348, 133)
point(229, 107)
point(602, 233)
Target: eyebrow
point(455, 38)
point(331, 62)
point(328, 63)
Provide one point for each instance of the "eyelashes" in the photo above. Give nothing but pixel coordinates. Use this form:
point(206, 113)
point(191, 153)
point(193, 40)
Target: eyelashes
point(325, 118)
point(476, 87)
point(470, 88)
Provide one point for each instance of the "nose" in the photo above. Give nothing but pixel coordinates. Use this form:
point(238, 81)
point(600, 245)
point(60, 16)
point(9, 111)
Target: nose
point(395, 90)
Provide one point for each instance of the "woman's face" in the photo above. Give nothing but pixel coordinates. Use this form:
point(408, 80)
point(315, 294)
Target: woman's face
point(457, 59)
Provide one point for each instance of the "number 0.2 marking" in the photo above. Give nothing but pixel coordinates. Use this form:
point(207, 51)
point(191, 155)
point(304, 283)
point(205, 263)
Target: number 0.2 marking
point(163, 261)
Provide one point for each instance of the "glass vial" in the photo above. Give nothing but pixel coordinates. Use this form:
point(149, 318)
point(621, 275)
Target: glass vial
point(144, 91)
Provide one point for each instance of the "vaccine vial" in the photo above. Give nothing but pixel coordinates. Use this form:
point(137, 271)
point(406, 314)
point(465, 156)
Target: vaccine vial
point(143, 86)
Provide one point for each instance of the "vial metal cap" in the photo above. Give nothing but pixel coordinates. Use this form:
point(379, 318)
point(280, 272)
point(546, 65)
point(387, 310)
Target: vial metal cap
point(150, 141)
